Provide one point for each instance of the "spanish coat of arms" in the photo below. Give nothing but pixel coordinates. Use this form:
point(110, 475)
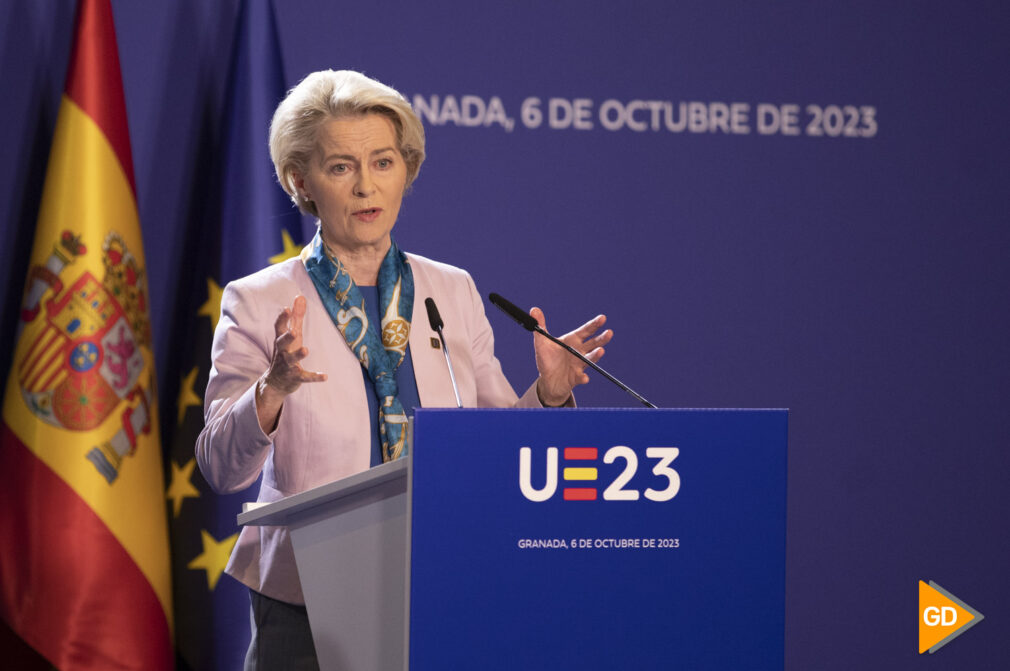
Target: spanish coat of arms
point(84, 360)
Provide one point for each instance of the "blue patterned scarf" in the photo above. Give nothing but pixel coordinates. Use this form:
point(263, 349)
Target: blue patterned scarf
point(380, 357)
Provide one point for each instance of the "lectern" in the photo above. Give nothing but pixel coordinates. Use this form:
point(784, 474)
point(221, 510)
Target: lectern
point(552, 539)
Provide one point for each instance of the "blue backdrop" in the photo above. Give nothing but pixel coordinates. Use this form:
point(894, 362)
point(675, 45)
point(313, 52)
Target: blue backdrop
point(845, 257)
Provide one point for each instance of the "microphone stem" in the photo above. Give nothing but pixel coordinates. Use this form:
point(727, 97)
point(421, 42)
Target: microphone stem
point(448, 362)
point(592, 365)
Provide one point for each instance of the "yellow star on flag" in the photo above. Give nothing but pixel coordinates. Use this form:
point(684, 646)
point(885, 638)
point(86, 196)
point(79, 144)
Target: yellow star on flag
point(291, 250)
point(181, 486)
point(214, 557)
point(212, 308)
point(188, 397)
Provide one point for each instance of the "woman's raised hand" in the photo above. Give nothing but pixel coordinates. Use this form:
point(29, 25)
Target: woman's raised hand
point(559, 370)
point(285, 374)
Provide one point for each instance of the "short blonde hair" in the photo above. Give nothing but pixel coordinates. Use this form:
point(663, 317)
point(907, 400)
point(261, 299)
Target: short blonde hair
point(330, 94)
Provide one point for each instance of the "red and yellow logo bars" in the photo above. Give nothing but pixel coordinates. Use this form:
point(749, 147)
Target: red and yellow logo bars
point(580, 473)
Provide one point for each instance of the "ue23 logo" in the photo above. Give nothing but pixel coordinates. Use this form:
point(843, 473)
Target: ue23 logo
point(581, 475)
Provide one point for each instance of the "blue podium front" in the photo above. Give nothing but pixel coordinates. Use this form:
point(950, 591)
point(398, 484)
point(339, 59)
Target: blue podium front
point(598, 539)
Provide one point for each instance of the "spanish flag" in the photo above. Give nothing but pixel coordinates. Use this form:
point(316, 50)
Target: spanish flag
point(84, 561)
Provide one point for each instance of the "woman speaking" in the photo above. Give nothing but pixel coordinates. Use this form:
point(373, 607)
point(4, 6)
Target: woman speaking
point(318, 361)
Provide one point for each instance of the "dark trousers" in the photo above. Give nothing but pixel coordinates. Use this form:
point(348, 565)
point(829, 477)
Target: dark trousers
point(281, 638)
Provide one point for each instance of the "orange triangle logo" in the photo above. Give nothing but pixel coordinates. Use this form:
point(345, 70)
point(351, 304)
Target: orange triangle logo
point(942, 617)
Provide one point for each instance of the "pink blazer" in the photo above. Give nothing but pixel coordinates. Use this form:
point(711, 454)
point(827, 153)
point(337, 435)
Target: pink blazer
point(323, 430)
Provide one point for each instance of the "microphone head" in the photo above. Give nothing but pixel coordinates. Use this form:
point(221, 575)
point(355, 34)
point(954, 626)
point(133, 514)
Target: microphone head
point(434, 318)
point(524, 320)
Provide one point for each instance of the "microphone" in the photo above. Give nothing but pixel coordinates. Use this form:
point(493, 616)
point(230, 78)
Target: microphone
point(435, 320)
point(530, 324)
point(524, 320)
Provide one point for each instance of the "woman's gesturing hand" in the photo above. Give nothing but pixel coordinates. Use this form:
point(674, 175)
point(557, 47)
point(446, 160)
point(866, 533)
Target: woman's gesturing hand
point(285, 374)
point(559, 370)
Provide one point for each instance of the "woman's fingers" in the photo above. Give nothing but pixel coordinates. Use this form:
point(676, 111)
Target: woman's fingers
point(590, 327)
point(559, 370)
point(298, 314)
point(593, 343)
point(583, 339)
point(312, 376)
point(288, 324)
point(286, 373)
point(281, 323)
point(284, 341)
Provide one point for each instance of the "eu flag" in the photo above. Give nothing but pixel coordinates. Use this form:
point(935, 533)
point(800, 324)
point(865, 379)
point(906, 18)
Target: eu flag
point(249, 224)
